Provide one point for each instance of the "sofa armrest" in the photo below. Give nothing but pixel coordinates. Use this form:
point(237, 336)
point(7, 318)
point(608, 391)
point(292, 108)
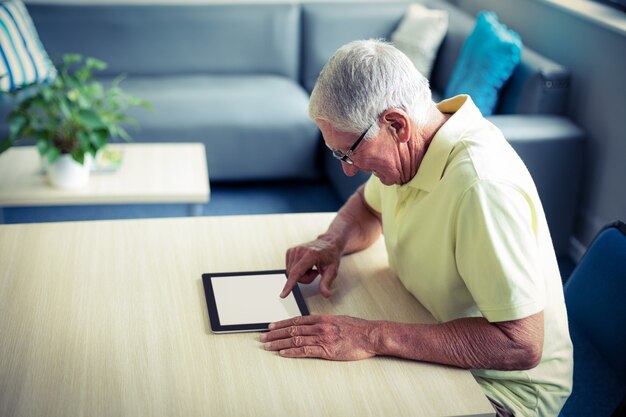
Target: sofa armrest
point(537, 86)
point(552, 149)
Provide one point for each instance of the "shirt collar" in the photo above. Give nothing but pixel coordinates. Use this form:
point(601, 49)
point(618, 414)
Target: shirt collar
point(464, 114)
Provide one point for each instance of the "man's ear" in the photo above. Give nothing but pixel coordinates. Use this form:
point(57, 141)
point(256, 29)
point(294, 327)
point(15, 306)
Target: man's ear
point(397, 122)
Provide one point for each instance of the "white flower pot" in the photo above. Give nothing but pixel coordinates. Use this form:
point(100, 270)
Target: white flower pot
point(67, 173)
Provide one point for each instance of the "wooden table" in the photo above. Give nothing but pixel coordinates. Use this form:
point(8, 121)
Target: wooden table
point(150, 173)
point(108, 318)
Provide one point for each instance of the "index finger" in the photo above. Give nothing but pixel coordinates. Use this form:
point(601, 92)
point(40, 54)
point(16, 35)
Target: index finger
point(292, 280)
point(307, 277)
point(293, 275)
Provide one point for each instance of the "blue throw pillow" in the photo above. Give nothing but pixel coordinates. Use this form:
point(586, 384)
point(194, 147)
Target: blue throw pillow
point(489, 56)
point(23, 60)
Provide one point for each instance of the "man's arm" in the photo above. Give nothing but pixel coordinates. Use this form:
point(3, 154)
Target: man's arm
point(471, 343)
point(355, 228)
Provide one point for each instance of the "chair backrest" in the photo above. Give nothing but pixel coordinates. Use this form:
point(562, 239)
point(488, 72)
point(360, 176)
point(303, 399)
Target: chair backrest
point(595, 295)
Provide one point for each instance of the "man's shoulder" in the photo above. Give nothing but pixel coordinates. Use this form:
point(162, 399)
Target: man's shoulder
point(482, 156)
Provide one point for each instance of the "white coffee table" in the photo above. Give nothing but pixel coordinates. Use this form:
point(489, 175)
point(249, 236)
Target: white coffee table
point(149, 174)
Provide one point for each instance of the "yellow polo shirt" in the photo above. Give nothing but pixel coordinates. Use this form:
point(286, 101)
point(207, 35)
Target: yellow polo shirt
point(467, 236)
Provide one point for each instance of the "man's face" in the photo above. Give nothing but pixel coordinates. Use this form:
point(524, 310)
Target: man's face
point(379, 156)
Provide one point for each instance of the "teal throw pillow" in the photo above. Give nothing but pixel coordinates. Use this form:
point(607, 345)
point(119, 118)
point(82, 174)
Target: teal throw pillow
point(489, 56)
point(23, 60)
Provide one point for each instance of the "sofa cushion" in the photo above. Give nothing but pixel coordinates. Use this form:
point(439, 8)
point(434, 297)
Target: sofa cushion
point(489, 56)
point(174, 39)
point(23, 60)
point(253, 126)
point(420, 34)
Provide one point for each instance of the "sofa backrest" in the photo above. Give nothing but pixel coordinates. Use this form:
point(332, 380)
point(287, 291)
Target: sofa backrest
point(327, 26)
point(163, 39)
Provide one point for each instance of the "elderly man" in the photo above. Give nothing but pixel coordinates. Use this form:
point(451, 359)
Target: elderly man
point(464, 230)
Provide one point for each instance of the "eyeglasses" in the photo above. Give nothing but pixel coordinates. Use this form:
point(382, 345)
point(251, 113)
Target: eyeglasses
point(345, 157)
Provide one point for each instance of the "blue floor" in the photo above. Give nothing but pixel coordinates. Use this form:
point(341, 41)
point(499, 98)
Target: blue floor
point(272, 198)
point(226, 199)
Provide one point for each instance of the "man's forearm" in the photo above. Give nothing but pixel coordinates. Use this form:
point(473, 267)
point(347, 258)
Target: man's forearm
point(355, 227)
point(470, 343)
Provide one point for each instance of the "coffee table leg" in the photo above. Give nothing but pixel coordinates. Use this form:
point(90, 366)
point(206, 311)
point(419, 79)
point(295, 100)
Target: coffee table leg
point(195, 210)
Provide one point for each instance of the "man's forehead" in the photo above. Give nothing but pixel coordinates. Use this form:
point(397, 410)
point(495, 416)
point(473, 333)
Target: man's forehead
point(325, 125)
point(330, 132)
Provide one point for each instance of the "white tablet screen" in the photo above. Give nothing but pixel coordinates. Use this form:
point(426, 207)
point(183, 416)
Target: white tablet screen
point(252, 299)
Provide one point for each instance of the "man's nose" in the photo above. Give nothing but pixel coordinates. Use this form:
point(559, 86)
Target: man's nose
point(348, 169)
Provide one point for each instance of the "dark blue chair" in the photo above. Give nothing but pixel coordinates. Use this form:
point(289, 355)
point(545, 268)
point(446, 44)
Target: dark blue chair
point(595, 295)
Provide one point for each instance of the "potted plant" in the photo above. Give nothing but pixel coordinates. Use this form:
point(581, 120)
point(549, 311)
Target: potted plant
point(71, 119)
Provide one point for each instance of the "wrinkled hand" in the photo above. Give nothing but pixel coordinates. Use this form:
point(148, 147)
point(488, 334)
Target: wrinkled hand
point(340, 338)
point(305, 262)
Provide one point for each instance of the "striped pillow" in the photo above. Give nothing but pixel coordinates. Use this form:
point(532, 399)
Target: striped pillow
point(23, 60)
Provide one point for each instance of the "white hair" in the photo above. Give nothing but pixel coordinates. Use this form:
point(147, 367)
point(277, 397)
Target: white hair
point(362, 80)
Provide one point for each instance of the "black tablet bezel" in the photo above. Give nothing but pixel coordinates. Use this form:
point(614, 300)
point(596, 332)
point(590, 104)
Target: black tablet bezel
point(209, 295)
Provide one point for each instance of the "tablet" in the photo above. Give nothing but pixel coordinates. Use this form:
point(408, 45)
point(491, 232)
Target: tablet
point(249, 301)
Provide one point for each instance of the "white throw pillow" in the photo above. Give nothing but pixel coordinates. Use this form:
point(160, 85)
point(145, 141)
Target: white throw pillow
point(420, 34)
point(23, 60)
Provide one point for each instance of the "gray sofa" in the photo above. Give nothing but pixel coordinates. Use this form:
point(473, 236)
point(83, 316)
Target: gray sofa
point(237, 78)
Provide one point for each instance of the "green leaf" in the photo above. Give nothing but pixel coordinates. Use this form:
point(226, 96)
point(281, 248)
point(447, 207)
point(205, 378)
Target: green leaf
point(44, 135)
point(99, 138)
point(117, 80)
point(5, 144)
point(17, 123)
point(94, 90)
point(72, 58)
point(146, 105)
point(133, 123)
point(96, 64)
point(52, 154)
point(47, 94)
point(90, 119)
point(123, 134)
point(79, 156)
point(84, 102)
point(42, 146)
point(73, 95)
point(65, 108)
point(84, 139)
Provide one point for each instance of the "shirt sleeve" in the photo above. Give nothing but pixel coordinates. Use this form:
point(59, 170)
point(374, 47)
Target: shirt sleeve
point(497, 251)
point(373, 188)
